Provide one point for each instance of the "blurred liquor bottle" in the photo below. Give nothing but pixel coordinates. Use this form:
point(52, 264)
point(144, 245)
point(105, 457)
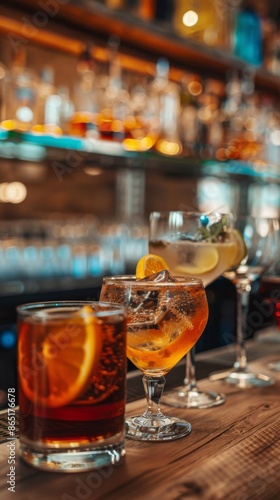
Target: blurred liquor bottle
point(84, 119)
point(66, 108)
point(45, 89)
point(190, 126)
point(141, 121)
point(201, 117)
point(165, 95)
point(212, 117)
point(48, 104)
point(114, 97)
point(248, 36)
point(55, 109)
point(22, 94)
point(245, 120)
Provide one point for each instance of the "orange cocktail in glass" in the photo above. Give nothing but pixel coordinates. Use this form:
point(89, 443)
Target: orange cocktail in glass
point(166, 316)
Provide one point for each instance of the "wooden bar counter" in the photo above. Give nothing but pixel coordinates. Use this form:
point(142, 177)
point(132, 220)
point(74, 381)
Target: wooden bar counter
point(232, 453)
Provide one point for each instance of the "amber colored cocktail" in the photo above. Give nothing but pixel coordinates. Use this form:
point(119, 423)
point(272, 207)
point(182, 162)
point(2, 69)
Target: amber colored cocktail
point(166, 327)
point(72, 370)
point(165, 319)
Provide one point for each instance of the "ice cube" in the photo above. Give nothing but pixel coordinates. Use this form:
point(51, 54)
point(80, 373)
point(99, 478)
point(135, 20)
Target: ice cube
point(151, 306)
point(148, 306)
point(177, 318)
point(165, 317)
point(164, 276)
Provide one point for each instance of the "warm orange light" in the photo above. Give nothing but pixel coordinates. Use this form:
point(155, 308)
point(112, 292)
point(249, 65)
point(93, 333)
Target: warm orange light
point(170, 148)
point(12, 192)
point(47, 128)
point(195, 88)
point(92, 171)
point(8, 124)
point(143, 144)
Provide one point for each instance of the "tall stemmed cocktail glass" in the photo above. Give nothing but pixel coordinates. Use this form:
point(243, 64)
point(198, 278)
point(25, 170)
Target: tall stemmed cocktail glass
point(270, 294)
point(194, 244)
point(260, 238)
point(165, 319)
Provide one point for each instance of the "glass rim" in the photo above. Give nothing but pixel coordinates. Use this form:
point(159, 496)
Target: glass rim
point(40, 309)
point(131, 278)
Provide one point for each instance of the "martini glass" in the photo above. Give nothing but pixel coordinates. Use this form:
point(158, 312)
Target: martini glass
point(165, 319)
point(260, 238)
point(193, 244)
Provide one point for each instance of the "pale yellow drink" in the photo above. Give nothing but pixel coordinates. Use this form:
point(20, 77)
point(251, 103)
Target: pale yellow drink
point(205, 259)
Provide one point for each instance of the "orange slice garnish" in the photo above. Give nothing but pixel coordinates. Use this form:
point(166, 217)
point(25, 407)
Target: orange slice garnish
point(150, 264)
point(57, 358)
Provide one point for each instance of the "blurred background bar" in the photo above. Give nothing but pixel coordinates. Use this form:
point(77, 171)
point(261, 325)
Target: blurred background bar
point(110, 110)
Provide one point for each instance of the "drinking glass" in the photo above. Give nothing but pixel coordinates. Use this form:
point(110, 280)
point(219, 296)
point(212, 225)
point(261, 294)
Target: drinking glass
point(260, 239)
point(270, 294)
point(193, 244)
point(72, 373)
point(165, 319)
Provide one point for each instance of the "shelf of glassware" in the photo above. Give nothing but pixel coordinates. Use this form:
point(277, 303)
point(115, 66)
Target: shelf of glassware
point(28, 146)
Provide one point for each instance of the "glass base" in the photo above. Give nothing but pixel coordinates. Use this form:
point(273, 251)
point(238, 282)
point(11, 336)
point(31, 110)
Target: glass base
point(74, 460)
point(243, 379)
point(274, 366)
point(194, 398)
point(164, 429)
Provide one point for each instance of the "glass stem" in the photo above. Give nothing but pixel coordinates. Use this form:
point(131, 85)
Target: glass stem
point(243, 293)
point(190, 378)
point(153, 387)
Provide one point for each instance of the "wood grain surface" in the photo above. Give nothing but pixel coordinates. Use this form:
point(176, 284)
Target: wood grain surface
point(232, 453)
